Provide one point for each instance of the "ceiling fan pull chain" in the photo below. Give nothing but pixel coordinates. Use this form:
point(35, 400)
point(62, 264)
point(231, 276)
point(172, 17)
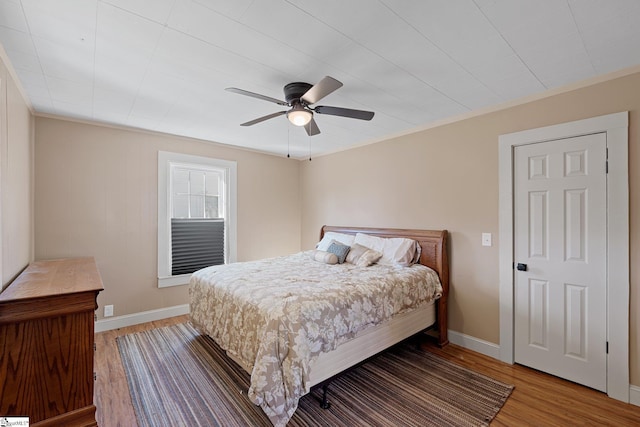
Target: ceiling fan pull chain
point(288, 140)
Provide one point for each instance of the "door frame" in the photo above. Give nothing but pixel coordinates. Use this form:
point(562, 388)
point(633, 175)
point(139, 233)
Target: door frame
point(616, 128)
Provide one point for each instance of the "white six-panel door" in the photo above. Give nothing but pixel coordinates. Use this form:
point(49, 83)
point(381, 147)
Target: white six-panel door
point(560, 231)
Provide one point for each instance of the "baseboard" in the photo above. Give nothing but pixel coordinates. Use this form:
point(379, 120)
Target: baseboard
point(484, 347)
point(142, 317)
point(634, 395)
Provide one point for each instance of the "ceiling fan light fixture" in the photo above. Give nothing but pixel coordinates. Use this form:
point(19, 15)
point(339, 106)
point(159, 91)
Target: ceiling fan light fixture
point(299, 116)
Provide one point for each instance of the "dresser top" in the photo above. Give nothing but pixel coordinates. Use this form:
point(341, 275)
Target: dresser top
point(54, 277)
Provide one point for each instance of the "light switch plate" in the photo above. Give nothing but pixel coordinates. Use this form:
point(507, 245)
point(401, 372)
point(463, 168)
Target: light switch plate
point(486, 239)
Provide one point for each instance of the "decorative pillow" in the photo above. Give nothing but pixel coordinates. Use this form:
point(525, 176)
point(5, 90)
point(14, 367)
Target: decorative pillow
point(329, 236)
point(326, 257)
point(362, 256)
point(355, 253)
point(395, 250)
point(340, 250)
point(368, 258)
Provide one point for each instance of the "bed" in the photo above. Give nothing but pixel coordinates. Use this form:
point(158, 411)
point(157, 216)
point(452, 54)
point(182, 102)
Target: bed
point(312, 326)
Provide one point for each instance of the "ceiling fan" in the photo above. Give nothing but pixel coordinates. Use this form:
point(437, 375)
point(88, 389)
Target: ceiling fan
point(299, 96)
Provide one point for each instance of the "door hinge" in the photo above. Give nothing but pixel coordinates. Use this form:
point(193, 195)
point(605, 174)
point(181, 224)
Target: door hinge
point(606, 166)
point(607, 347)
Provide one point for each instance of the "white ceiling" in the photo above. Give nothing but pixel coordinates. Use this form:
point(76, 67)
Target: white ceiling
point(163, 65)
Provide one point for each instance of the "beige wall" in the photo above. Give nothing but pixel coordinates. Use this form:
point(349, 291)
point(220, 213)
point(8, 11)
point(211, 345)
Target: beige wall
point(16, 178)
point(96, 195)
point(447, 177)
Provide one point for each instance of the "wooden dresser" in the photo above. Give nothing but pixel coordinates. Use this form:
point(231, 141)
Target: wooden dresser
point(47, 343)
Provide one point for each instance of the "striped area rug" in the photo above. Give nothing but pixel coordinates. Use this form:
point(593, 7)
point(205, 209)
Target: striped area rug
point(179, 378)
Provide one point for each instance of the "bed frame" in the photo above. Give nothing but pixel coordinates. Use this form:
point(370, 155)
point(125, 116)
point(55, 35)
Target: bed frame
point(434, 255)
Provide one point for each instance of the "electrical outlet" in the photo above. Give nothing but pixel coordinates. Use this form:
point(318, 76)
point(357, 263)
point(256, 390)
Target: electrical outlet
point(108, 310)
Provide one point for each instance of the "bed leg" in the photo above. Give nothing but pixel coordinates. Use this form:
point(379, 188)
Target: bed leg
point(325, 404)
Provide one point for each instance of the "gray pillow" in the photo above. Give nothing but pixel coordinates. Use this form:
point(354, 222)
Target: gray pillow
point(340, 250)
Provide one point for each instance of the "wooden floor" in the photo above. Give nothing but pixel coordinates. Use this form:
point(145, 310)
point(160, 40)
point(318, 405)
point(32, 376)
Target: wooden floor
point(538, 399)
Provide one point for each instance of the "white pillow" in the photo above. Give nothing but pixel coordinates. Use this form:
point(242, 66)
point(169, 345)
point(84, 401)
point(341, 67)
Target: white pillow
point(329, 236)
point(371, 242)
point(395, 250)
point(404, 252)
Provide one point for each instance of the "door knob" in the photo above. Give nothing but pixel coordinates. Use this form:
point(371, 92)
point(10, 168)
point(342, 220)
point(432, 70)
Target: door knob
point(521, 267)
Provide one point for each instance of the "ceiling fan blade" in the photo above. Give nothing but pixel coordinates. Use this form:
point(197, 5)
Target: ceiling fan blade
point(344, 112)
point(312, 128)
point(321, 89)
point(255, 95)
point(263, 118)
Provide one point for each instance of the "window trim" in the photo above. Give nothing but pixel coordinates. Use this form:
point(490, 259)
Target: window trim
point(165, 160)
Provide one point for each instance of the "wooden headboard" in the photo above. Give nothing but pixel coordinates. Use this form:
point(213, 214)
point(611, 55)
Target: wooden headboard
point(434, 255)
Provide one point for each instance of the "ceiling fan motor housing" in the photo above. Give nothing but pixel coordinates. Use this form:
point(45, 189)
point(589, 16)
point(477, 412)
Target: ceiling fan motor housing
point(294, 91)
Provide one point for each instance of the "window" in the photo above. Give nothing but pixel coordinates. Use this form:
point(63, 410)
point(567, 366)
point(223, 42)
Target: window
point(196, 215)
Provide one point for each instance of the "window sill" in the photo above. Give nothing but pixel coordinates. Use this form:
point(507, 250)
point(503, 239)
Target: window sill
point(166, 282)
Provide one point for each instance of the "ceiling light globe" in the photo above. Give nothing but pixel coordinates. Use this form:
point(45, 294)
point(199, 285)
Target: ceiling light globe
point(299, 117)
